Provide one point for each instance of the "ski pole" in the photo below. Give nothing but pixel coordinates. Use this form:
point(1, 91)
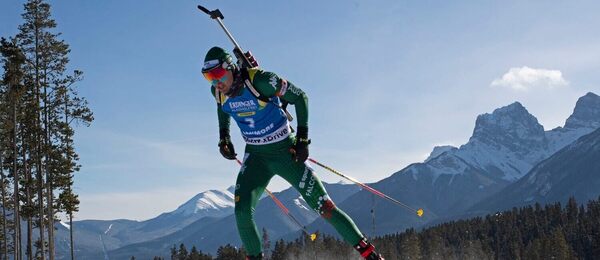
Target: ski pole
point(419, 212)
point(286, 211)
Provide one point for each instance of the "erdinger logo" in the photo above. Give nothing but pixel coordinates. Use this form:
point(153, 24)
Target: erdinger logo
point(237, 105)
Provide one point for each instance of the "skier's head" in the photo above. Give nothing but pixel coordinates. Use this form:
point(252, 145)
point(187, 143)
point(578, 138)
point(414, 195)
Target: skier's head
point(218, 69)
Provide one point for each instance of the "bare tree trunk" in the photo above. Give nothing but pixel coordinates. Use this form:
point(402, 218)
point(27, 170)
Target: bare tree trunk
point(28, 181)
point(49, 178)
point(69, 160)
point(71, 235)
point(4, 228)
point(37, 137)
point(17, 219)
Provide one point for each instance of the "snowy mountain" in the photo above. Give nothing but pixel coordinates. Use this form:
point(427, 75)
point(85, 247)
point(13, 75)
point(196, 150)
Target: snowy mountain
point(584, 120)
point(438, 150)
point(505, 145)
point(213, 203)
point(93, 236)
point(574, 171)
point(208, 234)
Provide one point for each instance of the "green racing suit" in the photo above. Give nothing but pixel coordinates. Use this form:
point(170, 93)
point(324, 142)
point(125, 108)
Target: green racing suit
point(265, 160)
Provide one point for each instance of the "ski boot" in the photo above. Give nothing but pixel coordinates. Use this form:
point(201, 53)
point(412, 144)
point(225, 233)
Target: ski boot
point(367, 250)
point(256, 257)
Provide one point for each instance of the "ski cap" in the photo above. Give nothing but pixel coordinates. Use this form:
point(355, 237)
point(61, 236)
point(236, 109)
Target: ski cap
point(216, 56)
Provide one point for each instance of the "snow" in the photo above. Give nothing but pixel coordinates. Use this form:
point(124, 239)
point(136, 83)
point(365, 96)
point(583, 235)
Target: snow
point(561, 137)
point(108, 229)
point(446, 164)
point(484, 156)
point(65, 225)
point(438, 150)
point(546, 188)
point(414, 172)
point(300, 204)
point(214, 201)
point(206, 202)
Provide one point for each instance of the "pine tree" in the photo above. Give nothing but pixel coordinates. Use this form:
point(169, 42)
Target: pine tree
point(13, 79)
point(266, 243)
point(198, 255)
point(410, 247)
point(182, 253)
point(229, 252)
point(279, 251)
point(53, 106)
point(174, 254)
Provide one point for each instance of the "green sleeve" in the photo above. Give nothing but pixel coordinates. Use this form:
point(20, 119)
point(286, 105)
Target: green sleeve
point(224, 119)
point(269, 84)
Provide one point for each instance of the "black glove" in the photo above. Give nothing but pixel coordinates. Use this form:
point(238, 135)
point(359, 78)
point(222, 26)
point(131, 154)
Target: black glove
point(225, 145)
point(300, 148)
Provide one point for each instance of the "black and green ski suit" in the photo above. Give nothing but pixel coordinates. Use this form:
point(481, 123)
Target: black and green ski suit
point(268, 139)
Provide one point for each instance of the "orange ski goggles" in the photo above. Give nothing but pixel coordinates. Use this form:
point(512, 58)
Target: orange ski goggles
point(215, 74)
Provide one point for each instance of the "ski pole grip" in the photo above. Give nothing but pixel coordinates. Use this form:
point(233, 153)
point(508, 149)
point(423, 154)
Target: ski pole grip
point(203, 9)
point(214, 14)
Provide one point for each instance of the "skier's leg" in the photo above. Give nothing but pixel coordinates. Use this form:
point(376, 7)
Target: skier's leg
point(252, 180)
point(303, 179)
point(301, 176)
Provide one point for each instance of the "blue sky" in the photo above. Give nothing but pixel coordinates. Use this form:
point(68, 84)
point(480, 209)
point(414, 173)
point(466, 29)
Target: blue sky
point(387, 81)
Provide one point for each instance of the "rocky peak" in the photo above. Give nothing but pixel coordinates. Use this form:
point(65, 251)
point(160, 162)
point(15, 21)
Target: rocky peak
point(440, 150)
point(586, 113)
point(508, 124)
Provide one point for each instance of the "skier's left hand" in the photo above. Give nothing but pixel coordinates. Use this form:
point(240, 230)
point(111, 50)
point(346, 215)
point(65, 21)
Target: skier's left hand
point(300, 149)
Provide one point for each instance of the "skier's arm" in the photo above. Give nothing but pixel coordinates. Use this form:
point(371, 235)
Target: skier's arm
point(225, 145)
point(224, 119)
point(269, 84)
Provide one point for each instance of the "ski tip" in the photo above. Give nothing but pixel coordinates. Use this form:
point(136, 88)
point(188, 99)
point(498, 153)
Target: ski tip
point(420, 212)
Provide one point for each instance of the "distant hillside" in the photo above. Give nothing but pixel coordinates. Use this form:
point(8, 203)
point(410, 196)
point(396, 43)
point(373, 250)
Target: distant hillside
point(532, 232)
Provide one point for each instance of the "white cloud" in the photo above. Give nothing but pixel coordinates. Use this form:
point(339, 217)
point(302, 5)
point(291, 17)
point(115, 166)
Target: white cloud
point(526, 78)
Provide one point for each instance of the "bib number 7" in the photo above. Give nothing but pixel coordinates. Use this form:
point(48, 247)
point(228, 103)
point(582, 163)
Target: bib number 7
point(250, 122)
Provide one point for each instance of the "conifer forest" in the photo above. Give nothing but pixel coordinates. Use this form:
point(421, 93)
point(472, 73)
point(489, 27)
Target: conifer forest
point(39, 112)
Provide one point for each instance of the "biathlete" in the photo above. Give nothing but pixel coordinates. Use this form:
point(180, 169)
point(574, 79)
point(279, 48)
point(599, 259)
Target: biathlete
point(253, 98)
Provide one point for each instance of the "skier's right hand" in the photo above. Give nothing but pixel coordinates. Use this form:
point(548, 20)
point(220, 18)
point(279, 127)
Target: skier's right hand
point(226, 149)
point(225, 145)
